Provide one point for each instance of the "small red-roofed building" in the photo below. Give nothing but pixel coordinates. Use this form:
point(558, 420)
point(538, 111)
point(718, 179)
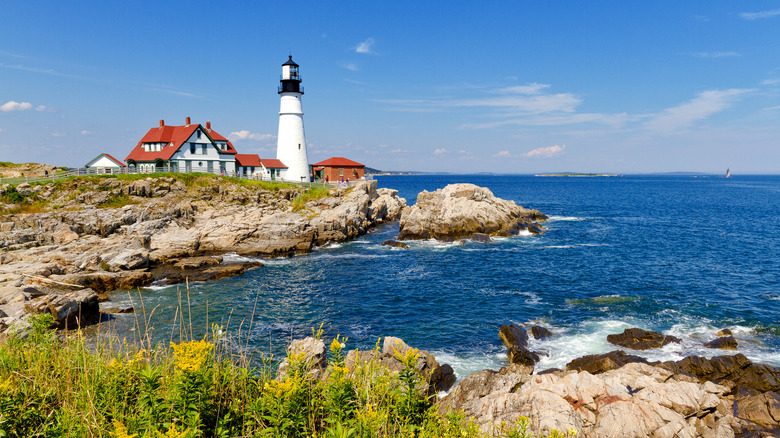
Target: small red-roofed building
point(252, 166)
point(186, 148)
point(337, 168)
point(105, 164)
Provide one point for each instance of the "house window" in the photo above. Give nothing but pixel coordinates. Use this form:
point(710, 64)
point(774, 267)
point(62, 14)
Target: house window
point(199, 134)
point(192, 148)
point(203, 151)
point(341, 172)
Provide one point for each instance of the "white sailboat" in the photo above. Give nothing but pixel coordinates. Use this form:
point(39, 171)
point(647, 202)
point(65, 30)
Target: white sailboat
point(728, 173)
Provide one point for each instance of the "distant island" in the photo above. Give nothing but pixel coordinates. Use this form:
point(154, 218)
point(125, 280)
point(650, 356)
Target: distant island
point(579, 175)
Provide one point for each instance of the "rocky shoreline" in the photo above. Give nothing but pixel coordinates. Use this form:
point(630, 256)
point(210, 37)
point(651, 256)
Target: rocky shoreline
point(608, 395)
point(168, 232)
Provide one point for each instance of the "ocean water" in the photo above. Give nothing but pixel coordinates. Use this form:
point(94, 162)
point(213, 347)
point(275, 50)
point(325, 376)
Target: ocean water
point(682, 255)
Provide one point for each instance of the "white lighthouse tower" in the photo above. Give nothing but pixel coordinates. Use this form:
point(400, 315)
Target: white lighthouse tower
point(291, 143)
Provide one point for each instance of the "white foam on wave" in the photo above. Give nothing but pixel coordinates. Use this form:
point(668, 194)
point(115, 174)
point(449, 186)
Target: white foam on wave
point(432, 244)
point(232, 257)
point(565, 219)
point(468, 363)
point(566, 344)
point(156, 287)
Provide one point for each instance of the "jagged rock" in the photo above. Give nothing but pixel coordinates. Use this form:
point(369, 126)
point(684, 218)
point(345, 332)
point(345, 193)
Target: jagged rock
point(310, 352)
point(197, 262)
point(130, 259)
point(724, 332)
point(600, 363)
point(24, 189)
point(71, 310)
point(724, 343)
point(395, 244)
point(638, 339)
point(732, 371)
point(460, 210)
point(522, 356)
point(637, 400)
point(761, 409)
point(539, 332)
point(513, 336)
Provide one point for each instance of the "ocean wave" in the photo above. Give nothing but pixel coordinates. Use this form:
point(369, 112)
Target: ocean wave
point(232, 257)
point(565, 219)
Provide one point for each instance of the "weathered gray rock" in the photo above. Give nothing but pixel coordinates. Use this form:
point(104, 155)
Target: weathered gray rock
point(637, 400)
point(71, 310)
point(460, 210)
point(308, 353)
point(638, 339)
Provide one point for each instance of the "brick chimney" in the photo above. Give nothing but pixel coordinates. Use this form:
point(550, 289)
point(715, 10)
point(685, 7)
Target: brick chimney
point(208, 126)
point(187, 121)
point(162, 123)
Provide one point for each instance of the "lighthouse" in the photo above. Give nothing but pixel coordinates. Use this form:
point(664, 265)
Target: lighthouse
point(291, 143)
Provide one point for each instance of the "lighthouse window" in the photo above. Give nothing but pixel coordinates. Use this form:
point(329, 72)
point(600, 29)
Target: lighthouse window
point(299, 146)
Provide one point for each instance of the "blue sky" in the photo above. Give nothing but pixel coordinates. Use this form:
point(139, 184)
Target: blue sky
point(511, 87)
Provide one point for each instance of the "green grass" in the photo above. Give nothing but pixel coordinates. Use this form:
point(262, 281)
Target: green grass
point(312, 194)
point(81, 388)
point(116, 201)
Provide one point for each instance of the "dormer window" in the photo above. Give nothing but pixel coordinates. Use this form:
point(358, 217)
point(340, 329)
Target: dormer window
point(200, 133)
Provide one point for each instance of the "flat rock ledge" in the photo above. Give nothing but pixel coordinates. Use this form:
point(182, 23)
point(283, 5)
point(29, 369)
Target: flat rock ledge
point(169, 233)
point(462, 210)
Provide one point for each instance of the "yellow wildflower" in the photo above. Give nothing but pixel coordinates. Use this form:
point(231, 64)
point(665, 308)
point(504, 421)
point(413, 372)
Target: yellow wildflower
point(115, 365)
point(279, 389)
point(120, 431)
point(173, 433)
point(409, 357)
point(138, 358)
point(4, 385)
point(189, 356)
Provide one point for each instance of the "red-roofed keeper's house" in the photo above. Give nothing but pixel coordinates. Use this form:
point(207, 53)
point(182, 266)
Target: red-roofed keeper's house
point(337, 168)
point(187, 148)
point(105, 164)
point(252, 166)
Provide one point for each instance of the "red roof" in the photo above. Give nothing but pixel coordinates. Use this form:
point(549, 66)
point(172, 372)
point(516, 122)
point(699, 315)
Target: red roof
point(273, 163)
point(115, 160)
point(339, 162)
point(177, 135)
point(248, 160)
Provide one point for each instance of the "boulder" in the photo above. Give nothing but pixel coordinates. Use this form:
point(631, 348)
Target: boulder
point(762, 410)
point(395, 244)
point(539, 332)
point(130, 259)
point(512, 335)
point(723, 343)
point(70, 310)
point(600, 363)
point(459, 211)
point(638, 339)
point(308, 353)
point(522, 356)
point(724, 332)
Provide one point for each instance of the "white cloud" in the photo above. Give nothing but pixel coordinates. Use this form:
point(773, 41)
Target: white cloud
point(365, 46)
point(757, 15)
point(503, 154)
point(399, 151)
point(15, 106)
point(85, 132)
point(441, 151)
point(533, 88)
point(546, 152)
point(715, 54)
point(351, 67)
point(58, 134)
point(246, 135)
point(700, 107)
point(539, 103)
point(771, 108)
point(770, 82)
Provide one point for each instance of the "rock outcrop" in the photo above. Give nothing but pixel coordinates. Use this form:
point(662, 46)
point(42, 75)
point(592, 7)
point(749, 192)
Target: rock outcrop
point(312, 355)
point(461, 210)
point(725, 396)
point(639, 339)
point(170, 232)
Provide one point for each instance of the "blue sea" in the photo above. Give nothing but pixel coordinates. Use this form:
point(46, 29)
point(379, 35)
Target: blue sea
point(683, 255)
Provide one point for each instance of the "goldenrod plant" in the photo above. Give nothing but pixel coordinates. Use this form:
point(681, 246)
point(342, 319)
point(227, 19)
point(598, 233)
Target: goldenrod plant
point(71, 386)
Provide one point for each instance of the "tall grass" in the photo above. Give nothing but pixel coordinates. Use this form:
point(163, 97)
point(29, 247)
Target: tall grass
point(299, 202)
point(69, 387)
